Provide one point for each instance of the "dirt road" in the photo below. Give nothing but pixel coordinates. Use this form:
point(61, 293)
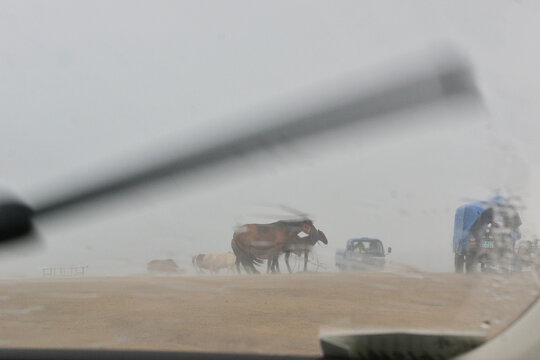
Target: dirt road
point(279, 314)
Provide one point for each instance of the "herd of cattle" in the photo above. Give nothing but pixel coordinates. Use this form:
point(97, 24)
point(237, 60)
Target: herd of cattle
point(252, 244)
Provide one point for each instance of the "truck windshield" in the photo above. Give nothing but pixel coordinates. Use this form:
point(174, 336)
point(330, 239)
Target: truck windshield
point(374, 247)
point(367, 246)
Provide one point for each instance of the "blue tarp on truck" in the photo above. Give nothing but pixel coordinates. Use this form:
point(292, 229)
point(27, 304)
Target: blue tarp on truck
point(467, 216)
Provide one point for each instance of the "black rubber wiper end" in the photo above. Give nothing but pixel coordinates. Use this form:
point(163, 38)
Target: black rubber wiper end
point(15, 220)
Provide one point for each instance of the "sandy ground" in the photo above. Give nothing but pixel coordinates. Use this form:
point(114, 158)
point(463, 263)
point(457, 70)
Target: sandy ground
point(280, 314)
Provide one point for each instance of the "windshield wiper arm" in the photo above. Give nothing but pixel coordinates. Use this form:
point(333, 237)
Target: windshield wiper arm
point(449, 81)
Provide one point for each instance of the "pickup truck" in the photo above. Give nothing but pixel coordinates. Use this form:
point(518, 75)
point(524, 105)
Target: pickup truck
point(363, 254)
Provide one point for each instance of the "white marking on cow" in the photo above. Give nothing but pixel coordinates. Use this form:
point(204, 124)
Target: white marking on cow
point(241, 229)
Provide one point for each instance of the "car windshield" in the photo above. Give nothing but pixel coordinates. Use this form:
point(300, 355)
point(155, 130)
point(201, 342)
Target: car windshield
point(250, 255)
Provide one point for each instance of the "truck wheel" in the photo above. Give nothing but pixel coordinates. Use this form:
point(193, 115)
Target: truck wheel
point(484, 267)
point(471, 263)
point(459, 262)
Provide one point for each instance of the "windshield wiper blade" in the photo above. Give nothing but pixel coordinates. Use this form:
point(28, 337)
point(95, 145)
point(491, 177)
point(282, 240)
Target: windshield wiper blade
point(451, 80)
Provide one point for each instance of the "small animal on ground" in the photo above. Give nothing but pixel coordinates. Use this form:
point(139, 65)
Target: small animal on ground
point(167, 266)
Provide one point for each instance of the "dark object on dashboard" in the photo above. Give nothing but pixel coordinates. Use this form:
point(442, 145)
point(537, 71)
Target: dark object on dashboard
point(63, 354)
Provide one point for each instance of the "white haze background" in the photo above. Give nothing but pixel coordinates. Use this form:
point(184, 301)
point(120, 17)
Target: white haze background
point(83, 85)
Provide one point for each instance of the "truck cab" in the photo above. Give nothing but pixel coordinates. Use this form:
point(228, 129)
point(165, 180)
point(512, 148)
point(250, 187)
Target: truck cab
point(485, 233)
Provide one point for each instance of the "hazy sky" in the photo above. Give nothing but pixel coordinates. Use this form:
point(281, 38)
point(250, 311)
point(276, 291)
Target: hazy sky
point(84, 85)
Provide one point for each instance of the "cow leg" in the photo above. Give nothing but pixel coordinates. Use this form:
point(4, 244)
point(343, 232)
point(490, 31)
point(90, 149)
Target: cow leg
point(248, 268)
point(237, 263)
point(269, 263)
point(305, 260)
point(277, 265)
point(253, 269)
point(287, 262)
point(274, 263)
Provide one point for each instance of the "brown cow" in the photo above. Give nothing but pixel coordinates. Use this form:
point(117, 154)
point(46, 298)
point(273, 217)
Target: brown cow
point(254, 243)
